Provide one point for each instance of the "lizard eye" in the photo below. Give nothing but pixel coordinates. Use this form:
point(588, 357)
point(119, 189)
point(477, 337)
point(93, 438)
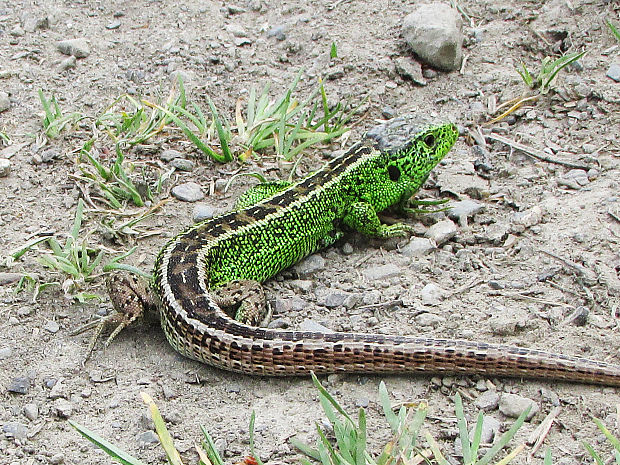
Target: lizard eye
point(429, 140)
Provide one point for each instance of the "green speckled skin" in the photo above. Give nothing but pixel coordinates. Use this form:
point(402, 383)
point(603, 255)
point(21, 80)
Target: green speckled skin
point(260, 240)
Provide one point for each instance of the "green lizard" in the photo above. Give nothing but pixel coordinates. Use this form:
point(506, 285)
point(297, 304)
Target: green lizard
point(220, 264)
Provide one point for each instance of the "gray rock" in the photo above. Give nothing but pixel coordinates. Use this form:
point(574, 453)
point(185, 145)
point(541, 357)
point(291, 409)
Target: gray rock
point(148, 437)
point(31, 411)
point(5, 352)
point(17, 31)
point(57, 459)
point(488, 400)
point(503, 323)
point(490, 427)
point(188, 192)
point(579, 317)
point(313, 327)
point(169, 155)
point(240, 41)
point(550, 396)
point(183, 164)
point(203, 211)
point(417, 247)
point(335, 298)
point(79, 48)
point(16, 430)
point(303, 285)
point(347, 249)
point(115, 24)
point(20, 385)
point(464, 209)
point(408, 68)
point(513, 405)
point(310, 266)
point(31, 22)
point(429, 319)
point(579, 176)
point(63, 408)
point(279, 323)
point(441, 232)
point(278, 31)
point(614, 72)
point(433, 31)
point(7, 277)
point(431, 294)
point(51, 326)
point(169, 392)
point(236, 30)
point(528, 218)
point(5, 102)
point(5, 167)
point(67, 63)
point(382, 272)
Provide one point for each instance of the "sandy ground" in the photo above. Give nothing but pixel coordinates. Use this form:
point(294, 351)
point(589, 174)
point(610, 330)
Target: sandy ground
point(511, 290)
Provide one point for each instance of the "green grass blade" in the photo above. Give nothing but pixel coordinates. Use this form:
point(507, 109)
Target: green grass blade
point(441, 460)
point(209, 446)
point(614, 30)
point(462, 425)
point(390, 416)
point(222, 135)
point(21, 251)
point(329, 398)
point(505, 438)
point(115, 452)
point(597, 458)
point(252, 450)
point(191, 136)
point(162, 432)
point(610, 437)
point(305, 449)
point(251, 108)
point(559, 65)
point(477, 435)
point(548, 460)
point(361, 438)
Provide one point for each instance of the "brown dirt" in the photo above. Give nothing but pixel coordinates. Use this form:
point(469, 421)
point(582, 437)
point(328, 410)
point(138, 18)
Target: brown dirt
point(156, 38)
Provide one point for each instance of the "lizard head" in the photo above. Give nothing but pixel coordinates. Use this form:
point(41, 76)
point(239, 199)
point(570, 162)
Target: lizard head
point(420, 155)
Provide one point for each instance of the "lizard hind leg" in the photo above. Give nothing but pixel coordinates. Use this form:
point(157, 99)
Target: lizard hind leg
point(131, 298)
point(243, 299)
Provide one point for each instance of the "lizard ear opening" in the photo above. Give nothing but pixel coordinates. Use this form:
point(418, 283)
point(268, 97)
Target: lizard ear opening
point(394, 173)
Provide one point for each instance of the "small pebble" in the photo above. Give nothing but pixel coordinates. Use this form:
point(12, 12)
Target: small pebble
point(441, 232)
point(67, 63)
point(614, 72)
point(20, 385)
point(5, 352)
point(382, 272)
point(490, 427)
point(312, 326)
point(513, 405)
point(14, 429)
point(279, 323)
point(113, 24)
point(417, 247)
point(51, 326)
point(5, 102)
point(488, 400)
point(408, 68)
point(31, 411)
point(188, 192)
point(529, 217)
point(202, 212)
point(183, 164)
point(579, 317)
point(77, 47)
point(57, 459)
point(148, 437)
point(464, 209)
point(63, 408)
point(236, 30)
point(279, 32)
point(347, 249)
point(431, 294)
point(169, 155)
point(5, 167)
point(169, 392)
point(429, 319)
point(310, 266)
point(335, 299)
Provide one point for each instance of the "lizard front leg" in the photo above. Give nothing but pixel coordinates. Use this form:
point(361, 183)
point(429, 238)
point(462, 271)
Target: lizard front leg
point(362, 217)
